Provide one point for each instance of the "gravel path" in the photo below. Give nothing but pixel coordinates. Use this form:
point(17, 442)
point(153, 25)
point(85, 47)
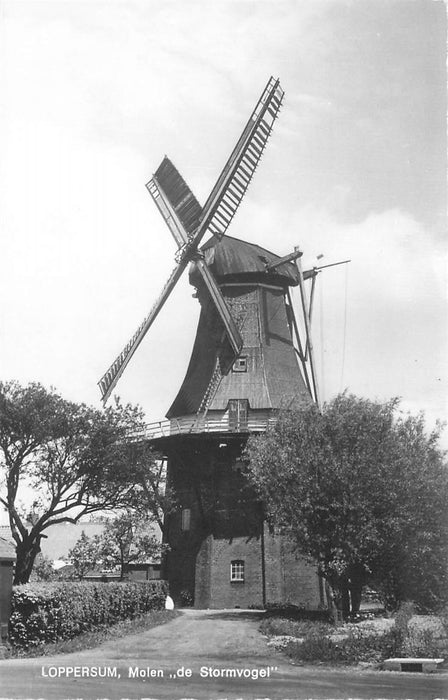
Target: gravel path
point(195, 636)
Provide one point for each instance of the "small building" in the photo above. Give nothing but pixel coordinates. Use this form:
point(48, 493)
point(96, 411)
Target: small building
point(7, 560)
point(147, 571)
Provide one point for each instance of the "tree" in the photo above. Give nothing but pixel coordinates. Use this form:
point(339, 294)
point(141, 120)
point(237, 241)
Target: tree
point(84, 555)
point(78, 460)
point(43, 569)
point(152, 496)
point(413, 562)
point(126, 539)
point(363, 491)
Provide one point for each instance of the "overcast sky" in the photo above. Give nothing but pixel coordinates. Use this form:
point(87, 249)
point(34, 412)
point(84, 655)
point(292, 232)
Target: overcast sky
point(93, 94)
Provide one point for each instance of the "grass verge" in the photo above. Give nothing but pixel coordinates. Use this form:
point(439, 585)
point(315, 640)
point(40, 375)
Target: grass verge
point(93, 638)
point(281, 626)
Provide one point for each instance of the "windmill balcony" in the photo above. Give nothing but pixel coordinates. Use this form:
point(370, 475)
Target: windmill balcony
point(213, 422)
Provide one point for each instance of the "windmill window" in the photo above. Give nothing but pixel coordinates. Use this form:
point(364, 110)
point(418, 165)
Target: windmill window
point(237, 571)
point(240, 365)
point(186, 519)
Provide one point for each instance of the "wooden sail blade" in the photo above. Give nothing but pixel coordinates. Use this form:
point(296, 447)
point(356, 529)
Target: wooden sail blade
point(113, 374)
point(169, 190)
point(170, 217)
point(236, 175)
point(232, 331)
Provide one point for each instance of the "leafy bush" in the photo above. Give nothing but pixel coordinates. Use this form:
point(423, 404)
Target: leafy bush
point(47, 612)
point(421, 643)
point(417, 640)
point(43, 569)
point(186, 598)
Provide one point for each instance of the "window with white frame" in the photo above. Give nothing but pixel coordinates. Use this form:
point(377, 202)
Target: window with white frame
point(240, 364)
point(237, 571)
point(186, 519)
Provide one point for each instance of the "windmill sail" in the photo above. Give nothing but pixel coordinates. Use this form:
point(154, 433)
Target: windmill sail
point(163, 205)
point(233, 181)
point(113, 374)
point(236, 175)
point(171, 194)
point(232, 331)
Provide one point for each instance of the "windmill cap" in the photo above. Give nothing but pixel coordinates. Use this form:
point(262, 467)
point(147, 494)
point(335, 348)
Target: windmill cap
point(230, 258)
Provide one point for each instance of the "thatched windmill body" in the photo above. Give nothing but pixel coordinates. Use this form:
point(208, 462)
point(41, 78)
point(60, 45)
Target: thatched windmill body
point(248, 362)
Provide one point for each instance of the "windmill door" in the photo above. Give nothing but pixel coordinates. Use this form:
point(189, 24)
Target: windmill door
point(238, 414)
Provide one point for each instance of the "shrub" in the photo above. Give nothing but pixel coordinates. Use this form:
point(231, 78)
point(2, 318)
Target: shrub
point(421, 643)
point(417, 640)
point(43, 569)
point(47, 612)
point(186, 598)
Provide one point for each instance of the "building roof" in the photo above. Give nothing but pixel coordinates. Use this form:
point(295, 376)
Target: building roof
point(5, 534)
point(7, 550)
point(231, 257)
point(62, 537)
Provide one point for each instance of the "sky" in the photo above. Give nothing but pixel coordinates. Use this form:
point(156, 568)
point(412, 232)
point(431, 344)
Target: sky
point(94, 94)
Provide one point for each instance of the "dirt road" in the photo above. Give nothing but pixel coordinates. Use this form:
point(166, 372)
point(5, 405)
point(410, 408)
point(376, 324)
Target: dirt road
point(202, 655)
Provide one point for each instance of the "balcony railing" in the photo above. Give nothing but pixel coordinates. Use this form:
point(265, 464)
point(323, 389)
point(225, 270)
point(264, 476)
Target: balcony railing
point(209, 424)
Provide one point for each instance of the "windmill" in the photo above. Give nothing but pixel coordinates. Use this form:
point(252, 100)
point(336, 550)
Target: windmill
point(251, 357)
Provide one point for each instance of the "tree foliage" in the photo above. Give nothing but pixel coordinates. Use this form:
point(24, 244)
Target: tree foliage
point(84, 555)
point(152, 497)
point(127, 538)
point(77, 460)
point(43, 569)
point(363, 490)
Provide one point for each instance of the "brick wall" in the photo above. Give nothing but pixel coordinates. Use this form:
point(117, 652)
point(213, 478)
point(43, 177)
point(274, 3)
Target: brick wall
point(288, 577)
point(202, 589)
point(301, 582)
point(223, 592)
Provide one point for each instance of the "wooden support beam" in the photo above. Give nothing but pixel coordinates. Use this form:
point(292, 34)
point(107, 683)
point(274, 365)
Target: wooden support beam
point(299, 345)
point(286, 258)
point(306, 318)
point(313, 286)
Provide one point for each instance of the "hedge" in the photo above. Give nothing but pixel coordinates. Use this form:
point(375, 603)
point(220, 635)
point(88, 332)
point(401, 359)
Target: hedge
point(47, 612)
